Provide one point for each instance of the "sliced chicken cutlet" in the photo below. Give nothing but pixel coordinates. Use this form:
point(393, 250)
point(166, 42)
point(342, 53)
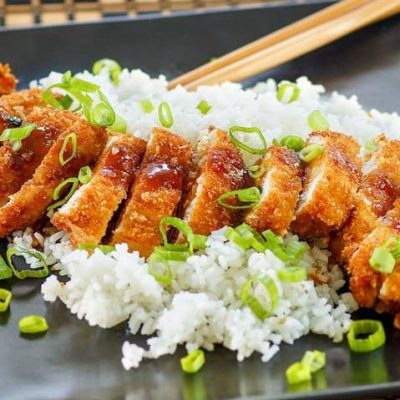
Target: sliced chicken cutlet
point(217, 168)
point(87, 214)
point(8, 81)
point(21, 103)
point(30, 203)
point(280, 189)
point(375, 197)
point(331, 182)
point(156, 192)
point(16, 167)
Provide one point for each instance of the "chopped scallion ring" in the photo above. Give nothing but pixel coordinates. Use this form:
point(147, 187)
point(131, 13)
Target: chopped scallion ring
point(32, 324)
point(165, 115)
point(163, 277)
point(120, 125)
point(287, 92)
point(315, 360)
point(298, 373)
point(253, 295)
point(292, 274)
point(249, 195)
point(102, 114)
point(293, 142)
point(5, 270)
point(375, 339)
point(235, 130)
point(147, 106)
point(83, 86)
point(203, 107)
point(311, 152)
point(172, 255)
point(16, 135)
point(27, 273)
point(193, 362)
point(317, 122)
point(252, 237)
point(73, 183)
point(114, 69)
point(106, 249)
point(295, 251)
point(234, 237)
point(70, 142)
point(5, 299)
point(85, 174)
point(182, 227)
point(382, 260)
point(256, 171)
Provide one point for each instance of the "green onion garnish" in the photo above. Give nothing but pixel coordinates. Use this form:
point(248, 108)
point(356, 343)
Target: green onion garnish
point(179, 254)
point(287, 92)
point(253, 295)
point(375, 339)
point(315, 360)
point(311, 152)
point(293, 142)
point(66, 78)
point(382, 260)
point(83, 86)
point(32, 324)
point(193, 362)
point(27, 273)
point(234, 130)
point(256, 171)
point(292, 274)
point(70, 138)
point(164, 277)
point(370, 145)
point(203, 107)
point(5, 299)
point(73, 183)
point(16, 135)
point(234, 237)
point(165, 115)
point(5, 270)
point(102, 114)
point(298, 373)
point(120, 125)
point(317, 122)
point(114, 69)
point(147, 106)
point(250, 195)
point(252, 237)
point(295, 251)
point(106, 249)
point(85, 174)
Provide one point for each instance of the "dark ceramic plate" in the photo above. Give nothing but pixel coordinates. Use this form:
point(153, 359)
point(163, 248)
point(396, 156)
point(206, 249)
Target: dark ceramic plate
point(75, 361)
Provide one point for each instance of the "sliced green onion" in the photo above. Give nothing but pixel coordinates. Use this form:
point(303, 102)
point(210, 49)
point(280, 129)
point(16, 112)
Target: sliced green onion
point(311, 152)
point(5, 299)
point(295, 251)
point(393, 245)
point(66, 78)
point(16, 135)
point(293, 142)
point(203, 107)
point(147, 106)
point(104, 248)
point(5, 270)
point(234, 237)
point(287, 92)
point(83, 86)
point(114, 69)
point(315, 360)
point(73, 183)
point(256, 171)
point(165, 115)
point(375, 339)
point(193, 362)
point(70, 138)
point(199, 242)
point(250, 195)
point(234, 130)
point(298, 373)
point(251, 236)
point(317, 122)
point(32, 324)
point(27, 273)
point(66, 102)
point(120, 125)
point(370, 145)
point(51, 100)
point(172, 255)
point(382, 260)
point(163, 277)
point(102, 114)
point(85, 174)
point(292, 274)
point(182, 226)
point(251, 297)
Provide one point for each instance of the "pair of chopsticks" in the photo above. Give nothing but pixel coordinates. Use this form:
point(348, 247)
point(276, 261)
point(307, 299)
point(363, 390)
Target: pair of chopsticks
point(294, 40)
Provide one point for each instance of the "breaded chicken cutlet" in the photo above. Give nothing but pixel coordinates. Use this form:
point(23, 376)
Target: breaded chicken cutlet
point(331, 182)
point(21, 104)
point(280, 189)
point(85, 217)
point(156, 192)
point(8, 81)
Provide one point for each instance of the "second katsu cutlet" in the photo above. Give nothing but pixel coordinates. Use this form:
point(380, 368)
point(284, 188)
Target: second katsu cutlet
point(87, 214)
point(218, 167)
point(156, 192)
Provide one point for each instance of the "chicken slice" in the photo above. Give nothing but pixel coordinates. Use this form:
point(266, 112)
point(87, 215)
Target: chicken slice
point(16, 167)
point(87, 214)
point(31, 201)
point(331, 183)
point(281, 186)
point(8, 82)
point(217, 168)
point(22, 103)
point(156, 192)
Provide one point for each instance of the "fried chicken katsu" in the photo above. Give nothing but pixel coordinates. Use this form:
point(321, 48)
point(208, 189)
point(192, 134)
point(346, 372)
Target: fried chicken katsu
point(217, 168)
point(156, 192)
point(280, 189)
point(331, 183)
point(87, 214)
point(8, 82)
point(20, 104)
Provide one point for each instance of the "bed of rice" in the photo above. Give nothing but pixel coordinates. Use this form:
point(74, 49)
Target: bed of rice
point(202, 307)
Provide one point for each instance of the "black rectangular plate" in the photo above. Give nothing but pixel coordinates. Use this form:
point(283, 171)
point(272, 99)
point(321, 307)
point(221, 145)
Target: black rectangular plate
point(75, 361)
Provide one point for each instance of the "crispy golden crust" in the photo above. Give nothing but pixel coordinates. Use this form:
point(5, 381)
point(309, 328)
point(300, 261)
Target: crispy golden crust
point(8, 81)
point(387, 158)
point(16, 167)
point(331, 182)
point(281, 186)
point(21, 103)
point(87, 214)
point(30, 202)
point(219, 168)
point(156, 192)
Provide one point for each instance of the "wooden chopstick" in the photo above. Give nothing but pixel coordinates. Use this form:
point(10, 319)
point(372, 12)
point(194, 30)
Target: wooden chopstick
point(285, 44)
